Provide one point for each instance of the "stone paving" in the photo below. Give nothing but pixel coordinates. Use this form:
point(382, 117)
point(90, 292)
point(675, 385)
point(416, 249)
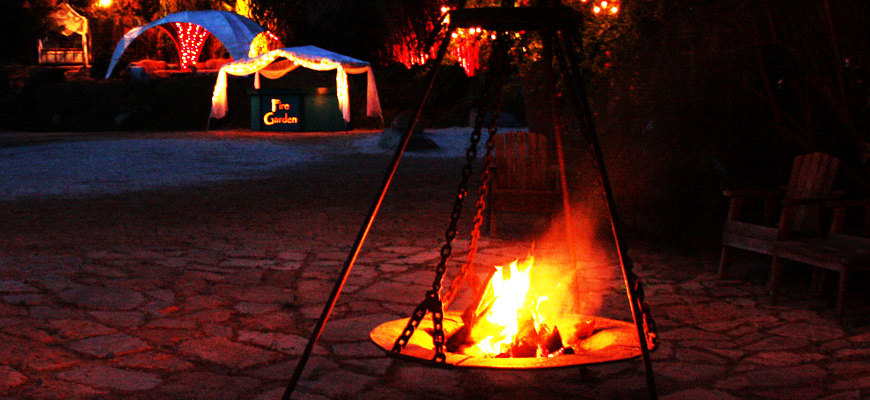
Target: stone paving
point(230, 323)
point(211, 293)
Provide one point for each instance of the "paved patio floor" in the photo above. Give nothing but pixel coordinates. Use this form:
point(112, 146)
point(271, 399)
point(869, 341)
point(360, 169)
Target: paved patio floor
point(210, 292)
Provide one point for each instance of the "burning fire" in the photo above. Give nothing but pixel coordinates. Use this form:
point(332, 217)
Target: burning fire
point(508, 290)
point(507, 321)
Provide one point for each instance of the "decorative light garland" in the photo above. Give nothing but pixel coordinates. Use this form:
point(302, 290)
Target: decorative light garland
point(263, 43)
point(466, 43)
point(191, 38)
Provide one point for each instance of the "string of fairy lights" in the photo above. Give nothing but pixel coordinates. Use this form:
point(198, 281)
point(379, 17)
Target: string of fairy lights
point(466, 43)
point(191, 38)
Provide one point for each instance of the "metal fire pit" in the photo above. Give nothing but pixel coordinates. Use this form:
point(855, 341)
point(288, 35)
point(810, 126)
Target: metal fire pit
point(620, 338)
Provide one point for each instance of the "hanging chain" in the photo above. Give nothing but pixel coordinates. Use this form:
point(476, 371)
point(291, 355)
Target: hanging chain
point(432, 301)
point(466, 272)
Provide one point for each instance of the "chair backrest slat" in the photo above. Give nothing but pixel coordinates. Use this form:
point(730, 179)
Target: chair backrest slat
point(521, 161)
point(812, 177)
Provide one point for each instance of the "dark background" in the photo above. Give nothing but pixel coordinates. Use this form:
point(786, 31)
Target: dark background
point(689, 97)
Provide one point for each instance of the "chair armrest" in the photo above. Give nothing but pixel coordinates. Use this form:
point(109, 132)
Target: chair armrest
point(839, 203)
point(753, 193)
point(839, 217)
point(822, 201)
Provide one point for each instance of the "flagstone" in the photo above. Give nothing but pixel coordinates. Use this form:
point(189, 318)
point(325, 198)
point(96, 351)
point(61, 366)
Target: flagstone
point(120, 319)
point(777, 344)
point(247, 263)
point(49, 312)
point(80, 329)
point(53, 389)
point(227, 353)
point(280, 321)
point(266, 294)
point(209, 316)
point(109, 345)
point(371, 366)
point(172, 262)
point(103, 298)
point(290, 344)
point(152, 360)
point(208, 385)
point(110, 377)
point(351, 383)
point(25, 299)
point(802, 375)
point(256, 308)
point(695, 394)
point(49, 358)
point(357, 349)
point(690, 355)
point(167, 337)
point(861, 353)
point(851, 384)
point(689, 371)
point(316, 366)
point(354, 329)
point(12, 286)
point(396, 292)
point(809, 331)
point(10, 378)
point(32, 329)
point(171, 323)
point(850, 395)
point(783, 358)
point(292, 255)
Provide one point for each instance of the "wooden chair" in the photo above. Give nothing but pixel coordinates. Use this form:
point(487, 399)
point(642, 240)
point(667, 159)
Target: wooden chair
point(811, 182)
point(523, 181)
point(838, 251)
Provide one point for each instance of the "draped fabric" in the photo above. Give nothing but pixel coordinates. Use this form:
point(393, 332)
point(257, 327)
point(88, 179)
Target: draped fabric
point(310, 57)
point(68, 20)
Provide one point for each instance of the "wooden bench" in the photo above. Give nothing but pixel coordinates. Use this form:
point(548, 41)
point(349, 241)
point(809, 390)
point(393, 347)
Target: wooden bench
point(838, 251)
point(811, 181)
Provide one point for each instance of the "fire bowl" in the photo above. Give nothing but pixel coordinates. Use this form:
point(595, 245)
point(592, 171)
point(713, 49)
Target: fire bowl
point(612, 340)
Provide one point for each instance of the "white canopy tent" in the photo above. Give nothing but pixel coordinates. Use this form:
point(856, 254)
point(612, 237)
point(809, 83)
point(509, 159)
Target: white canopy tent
point(234, 31)
point(310, 57)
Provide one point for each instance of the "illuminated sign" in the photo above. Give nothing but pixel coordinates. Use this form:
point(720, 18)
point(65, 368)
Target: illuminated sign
point(270, 118)
point(296, 110)
point(281, 113)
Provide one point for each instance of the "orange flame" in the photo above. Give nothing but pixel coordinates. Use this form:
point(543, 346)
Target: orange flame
point(506, 302)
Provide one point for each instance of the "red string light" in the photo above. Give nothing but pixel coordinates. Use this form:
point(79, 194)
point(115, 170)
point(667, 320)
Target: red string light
point(191, 38)
point(466, 43)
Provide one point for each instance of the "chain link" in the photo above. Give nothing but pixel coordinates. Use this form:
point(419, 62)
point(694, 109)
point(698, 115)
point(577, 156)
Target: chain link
point(466, 272)
point(432, 302)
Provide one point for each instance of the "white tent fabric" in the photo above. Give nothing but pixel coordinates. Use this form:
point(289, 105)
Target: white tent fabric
point(310, 57)
point(234, 31)
point(71, 22)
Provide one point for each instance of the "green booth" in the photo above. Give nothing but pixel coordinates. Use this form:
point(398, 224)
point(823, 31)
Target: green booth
point(295, 110)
